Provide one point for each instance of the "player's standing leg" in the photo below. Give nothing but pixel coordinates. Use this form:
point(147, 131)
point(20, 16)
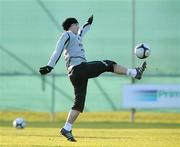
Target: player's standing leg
point(80, 87)
point(67, 129)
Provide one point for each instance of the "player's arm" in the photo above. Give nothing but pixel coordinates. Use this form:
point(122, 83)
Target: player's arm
point(61, 44)
point(86, 26)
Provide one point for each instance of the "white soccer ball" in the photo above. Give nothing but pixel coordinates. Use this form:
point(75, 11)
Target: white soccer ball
point(142, 51)
point(19, 123)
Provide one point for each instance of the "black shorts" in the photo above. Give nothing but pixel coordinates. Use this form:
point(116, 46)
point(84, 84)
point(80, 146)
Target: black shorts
point(79, 76)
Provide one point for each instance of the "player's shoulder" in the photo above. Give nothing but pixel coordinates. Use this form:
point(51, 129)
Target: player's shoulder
point(68, 34)
point(65, 34)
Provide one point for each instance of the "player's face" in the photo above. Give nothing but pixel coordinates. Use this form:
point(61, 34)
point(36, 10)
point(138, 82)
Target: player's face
point(74, 28)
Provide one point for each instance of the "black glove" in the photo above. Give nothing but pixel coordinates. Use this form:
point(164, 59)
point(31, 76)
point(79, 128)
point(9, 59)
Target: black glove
point(90, 19)
point(45, 70)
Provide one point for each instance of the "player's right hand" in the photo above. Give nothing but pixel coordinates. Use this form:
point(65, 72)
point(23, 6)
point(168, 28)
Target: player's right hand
point(45, 70)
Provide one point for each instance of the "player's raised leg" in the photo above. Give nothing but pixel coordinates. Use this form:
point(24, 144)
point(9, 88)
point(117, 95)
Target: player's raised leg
point(95, 68)
point(133, 72)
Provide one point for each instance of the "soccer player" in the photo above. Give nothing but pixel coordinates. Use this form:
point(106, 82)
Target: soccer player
point(79, 69)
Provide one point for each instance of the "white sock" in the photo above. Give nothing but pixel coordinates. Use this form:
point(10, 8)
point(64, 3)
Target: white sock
point(68, 126)
point(131, 72)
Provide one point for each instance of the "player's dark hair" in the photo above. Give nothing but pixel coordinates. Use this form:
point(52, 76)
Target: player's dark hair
point(68, 22)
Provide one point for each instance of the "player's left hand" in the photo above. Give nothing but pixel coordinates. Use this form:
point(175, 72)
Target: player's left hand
point(90, 19)
point(45, 70)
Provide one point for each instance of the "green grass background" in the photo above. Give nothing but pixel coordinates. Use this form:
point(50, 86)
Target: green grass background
point(102, 129)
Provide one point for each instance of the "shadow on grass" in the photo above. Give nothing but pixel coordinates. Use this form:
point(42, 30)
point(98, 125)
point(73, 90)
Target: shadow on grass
point(96, 125)
point(102, 137)
point(15, 145)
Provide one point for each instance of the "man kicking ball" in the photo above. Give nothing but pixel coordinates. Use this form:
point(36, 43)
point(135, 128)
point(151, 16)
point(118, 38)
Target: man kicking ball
point(79, 69)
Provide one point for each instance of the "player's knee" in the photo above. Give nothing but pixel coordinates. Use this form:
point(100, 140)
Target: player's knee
point(79, 103)
point(109, 64)
point(78, 107)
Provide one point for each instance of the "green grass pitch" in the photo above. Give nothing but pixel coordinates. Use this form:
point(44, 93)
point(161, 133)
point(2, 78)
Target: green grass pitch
point(94, 130)
point(98, 137)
